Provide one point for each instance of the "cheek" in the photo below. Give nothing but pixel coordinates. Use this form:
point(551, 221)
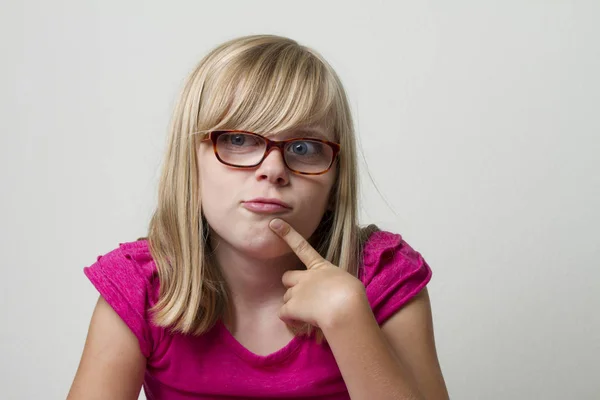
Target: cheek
point(314, 203)
point(214, 185)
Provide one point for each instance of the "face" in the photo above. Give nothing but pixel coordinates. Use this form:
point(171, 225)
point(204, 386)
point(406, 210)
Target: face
point(239, 223)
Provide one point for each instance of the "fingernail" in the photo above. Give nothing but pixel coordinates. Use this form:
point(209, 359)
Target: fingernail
point(276, 224)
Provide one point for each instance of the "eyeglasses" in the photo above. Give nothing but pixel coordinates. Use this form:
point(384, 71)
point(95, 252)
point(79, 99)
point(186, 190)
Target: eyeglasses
point(305, 156)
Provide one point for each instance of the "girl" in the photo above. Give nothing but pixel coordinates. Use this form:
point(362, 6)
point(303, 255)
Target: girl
point(255, 280)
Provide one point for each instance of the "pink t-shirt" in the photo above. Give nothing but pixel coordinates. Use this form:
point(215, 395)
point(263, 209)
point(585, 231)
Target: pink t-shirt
point(215, 365)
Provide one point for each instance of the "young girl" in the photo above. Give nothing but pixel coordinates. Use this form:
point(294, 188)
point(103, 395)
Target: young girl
point(255, 280)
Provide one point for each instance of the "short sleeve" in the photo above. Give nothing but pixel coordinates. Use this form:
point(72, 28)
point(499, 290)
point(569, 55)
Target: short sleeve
point(392, 273)
point(126, 284)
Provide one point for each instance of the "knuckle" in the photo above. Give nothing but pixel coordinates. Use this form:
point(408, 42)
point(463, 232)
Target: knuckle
point(284, 311)
point(301, 246)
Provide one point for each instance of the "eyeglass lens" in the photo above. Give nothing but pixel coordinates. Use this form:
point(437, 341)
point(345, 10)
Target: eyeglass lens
point(303, 155)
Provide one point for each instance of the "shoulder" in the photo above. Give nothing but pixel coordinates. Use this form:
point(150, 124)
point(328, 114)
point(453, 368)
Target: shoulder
point(384, 249)
point(130, 264)
point(392, 271)
point(138, 249)
point(127, 279)
point(130, 261)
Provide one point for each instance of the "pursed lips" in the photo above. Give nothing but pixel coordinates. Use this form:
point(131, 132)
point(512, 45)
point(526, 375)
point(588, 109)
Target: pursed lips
point(266, 205)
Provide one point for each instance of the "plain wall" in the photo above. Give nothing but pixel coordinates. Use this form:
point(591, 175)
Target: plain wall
point(478, 122)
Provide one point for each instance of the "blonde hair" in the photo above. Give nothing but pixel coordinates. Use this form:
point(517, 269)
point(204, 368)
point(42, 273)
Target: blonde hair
point(264, 84)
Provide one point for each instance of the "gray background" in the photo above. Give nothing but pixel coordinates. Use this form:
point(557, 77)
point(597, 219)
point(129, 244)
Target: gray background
point(478, 122)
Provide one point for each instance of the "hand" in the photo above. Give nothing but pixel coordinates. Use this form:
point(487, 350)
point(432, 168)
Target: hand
point(323, 294)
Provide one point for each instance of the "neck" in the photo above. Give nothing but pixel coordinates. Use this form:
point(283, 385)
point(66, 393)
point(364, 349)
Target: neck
point(255, 286)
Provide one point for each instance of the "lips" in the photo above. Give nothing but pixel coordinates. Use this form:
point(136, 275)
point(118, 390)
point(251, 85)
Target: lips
point(266, 205)
point(265, 200)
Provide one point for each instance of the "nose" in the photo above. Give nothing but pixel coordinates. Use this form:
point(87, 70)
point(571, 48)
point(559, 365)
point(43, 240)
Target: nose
point(273, 169)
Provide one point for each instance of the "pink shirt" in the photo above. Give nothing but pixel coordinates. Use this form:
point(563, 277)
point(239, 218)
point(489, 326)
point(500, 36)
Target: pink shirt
point(215, 365)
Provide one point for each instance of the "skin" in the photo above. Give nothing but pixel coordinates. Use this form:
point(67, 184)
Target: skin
point(112, 365)
point(223, 188)
point(251, 256)
point(263, 268)
point(392, 362)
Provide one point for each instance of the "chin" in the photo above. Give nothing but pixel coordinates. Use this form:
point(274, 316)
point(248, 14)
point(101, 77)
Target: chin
point(255, 239)
point(265, 245)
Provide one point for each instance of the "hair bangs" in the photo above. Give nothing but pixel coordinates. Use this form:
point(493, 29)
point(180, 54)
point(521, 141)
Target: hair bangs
point(272, 91)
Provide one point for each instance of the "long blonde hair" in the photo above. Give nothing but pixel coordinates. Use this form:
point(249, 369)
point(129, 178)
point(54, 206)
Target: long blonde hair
point(265, 84)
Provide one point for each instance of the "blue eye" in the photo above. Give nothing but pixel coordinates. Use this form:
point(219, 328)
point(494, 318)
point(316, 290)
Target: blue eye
point(305, 148)
point(237, 140)
point(300, 148)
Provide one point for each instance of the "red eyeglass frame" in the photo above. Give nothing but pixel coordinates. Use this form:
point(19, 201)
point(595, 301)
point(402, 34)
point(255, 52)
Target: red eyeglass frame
point(280, 144)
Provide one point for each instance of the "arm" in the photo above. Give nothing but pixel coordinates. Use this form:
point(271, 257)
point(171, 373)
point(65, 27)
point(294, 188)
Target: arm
point(112, 365)
point(410, 335)
point(398, 361)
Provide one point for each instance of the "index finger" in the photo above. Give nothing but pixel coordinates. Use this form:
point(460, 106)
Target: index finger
point(305, 252)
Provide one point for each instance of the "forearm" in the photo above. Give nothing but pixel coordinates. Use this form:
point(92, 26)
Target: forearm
point(369, 367)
